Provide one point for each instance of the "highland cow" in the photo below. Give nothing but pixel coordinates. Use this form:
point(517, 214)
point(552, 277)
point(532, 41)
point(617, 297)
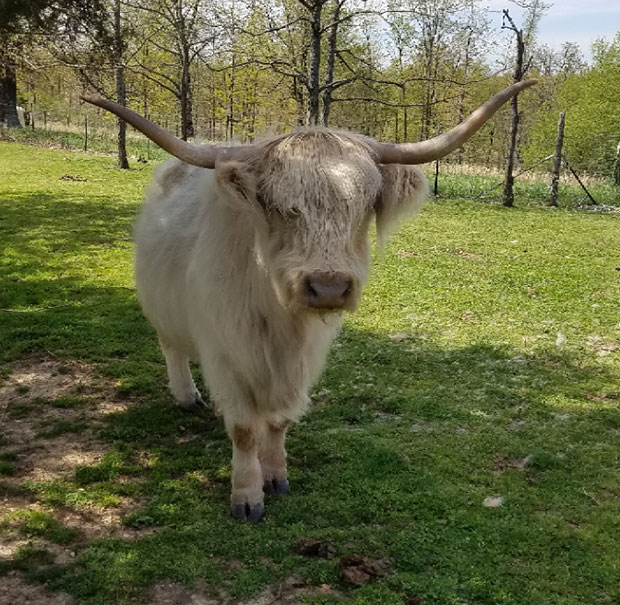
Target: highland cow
point(247, 268)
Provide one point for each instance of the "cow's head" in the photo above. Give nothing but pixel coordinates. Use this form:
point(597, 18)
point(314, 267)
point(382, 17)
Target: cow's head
point(312, 195)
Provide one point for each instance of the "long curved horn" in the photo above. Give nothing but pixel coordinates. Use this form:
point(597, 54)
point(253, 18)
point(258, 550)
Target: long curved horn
point(204, 156)
point(433, 149)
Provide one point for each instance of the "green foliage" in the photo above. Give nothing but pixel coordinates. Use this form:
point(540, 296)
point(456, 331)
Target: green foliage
point(592, 104)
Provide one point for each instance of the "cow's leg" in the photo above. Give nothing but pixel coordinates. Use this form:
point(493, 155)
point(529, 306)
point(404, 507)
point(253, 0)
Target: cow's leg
point(180, 379)
point(272, 456)
point(247, 479)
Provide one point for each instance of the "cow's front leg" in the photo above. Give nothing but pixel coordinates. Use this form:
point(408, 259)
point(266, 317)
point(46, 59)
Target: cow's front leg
point(247, 480)
point(181, 382)
point(272, 456)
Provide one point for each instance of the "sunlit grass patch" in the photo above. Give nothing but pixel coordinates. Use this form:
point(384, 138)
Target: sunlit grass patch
point(482, 367)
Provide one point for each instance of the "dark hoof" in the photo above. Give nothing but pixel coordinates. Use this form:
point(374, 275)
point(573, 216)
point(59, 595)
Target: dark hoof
point(246, 512)
point(276, 486)
point(196, 406)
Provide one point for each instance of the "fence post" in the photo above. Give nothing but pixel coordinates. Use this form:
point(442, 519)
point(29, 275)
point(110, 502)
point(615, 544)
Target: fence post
point(45, 119)
point(85, 132)
point(435, 188)
point(557, 162)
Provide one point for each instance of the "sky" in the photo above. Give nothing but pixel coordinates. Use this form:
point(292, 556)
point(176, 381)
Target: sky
point(580, 21)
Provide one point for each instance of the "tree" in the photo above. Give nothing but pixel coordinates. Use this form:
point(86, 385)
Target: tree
point(524, 41)
point(8, 82)
point(22, 19)
point(119, 81)
point(180, 31)
point(591, 100)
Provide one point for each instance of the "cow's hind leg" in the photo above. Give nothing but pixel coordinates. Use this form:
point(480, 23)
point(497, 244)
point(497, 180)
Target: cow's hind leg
point(181, 381)
point(272, 456)
point(247, 496)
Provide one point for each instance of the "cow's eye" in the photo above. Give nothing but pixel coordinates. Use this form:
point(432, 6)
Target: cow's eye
point(290, 214)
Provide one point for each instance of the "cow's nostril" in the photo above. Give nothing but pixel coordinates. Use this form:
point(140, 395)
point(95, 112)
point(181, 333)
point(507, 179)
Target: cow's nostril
point(310, 289)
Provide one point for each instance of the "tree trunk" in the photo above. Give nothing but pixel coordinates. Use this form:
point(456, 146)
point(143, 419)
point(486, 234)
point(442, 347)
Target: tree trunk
point(508, 194)
point(185, 96)
point(508, 197)
point(557, 162)
point(119, 80)
point(462, 95)
point(8, 100)
point(187, 122)
point(331, 60)
point(312, 116)
point(298, 95)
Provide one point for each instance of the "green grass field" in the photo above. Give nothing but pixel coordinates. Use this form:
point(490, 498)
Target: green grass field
point(465, 438)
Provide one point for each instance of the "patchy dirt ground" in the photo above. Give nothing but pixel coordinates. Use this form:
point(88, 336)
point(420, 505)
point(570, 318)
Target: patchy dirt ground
point(39, 400)
point(14, 590)
point(290, 592)
point(37, 397)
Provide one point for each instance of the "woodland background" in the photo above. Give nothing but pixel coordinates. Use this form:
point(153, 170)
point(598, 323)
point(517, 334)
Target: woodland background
point(242, 69)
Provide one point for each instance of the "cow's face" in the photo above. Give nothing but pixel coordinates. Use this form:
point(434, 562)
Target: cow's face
point(312, 196)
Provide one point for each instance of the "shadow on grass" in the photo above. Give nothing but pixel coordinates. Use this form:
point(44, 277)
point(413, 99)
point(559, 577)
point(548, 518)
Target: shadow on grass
point(404, 443)
point(395, 463)
point(63, 222)
point(64, 260)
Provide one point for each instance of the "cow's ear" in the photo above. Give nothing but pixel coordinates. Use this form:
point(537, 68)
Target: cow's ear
point(404, 191)
point(237, 182)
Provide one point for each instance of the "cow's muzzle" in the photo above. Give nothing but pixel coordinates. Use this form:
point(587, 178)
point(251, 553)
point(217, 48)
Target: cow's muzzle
point(327, 290)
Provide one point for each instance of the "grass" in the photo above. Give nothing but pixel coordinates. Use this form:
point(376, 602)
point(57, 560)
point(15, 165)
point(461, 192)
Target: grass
point(483, 362)
point(100, 140)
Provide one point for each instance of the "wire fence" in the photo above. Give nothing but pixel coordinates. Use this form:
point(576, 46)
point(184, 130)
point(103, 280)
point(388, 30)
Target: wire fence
point(96, 133)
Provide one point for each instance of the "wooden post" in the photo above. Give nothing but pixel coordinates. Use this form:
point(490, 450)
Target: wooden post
point(45, 119)
point(85, 132)
point(32, 113)
point(435, 189)
point(557, 162)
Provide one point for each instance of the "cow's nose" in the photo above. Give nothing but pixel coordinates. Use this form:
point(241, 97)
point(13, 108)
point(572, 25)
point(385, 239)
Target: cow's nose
point(327, 290)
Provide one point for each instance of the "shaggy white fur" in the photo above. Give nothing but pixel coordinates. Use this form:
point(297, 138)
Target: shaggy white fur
point(222, 260)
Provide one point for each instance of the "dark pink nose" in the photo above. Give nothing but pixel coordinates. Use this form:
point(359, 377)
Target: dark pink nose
point(327, 290)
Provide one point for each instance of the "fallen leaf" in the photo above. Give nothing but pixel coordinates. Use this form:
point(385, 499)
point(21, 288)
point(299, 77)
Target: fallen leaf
point(468, 255)
point(407, 254)
point(422, 426)
point(503, 463)
point(399, 336)
point(358, 570)
point(604, 398)
point(493, 502)
point(354, 575)
point(308, 547)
